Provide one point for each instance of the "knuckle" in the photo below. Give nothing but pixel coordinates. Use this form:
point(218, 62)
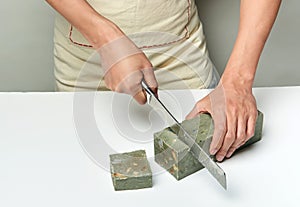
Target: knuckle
point(253, 113)
point(234, 113)
point(229, 140)
point(148, 65)
point(230, 135)
point(221, 126)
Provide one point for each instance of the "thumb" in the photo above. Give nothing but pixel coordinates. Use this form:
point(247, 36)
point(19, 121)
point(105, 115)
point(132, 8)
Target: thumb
point(202, 106)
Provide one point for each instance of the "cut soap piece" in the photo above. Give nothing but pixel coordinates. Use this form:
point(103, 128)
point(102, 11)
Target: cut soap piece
point(130, 170)
point(173, 154)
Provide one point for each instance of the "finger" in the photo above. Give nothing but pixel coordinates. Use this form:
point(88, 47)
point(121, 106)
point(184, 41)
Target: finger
point(217, 141)
point(230, 152)
point(150, 79)
point(250, 131)
point(240, 136)
point(229, 138)
point(241, 130)
point(218, 135)
point(218, 107)
point(202, 106)
point(140, 97)
point(251, 126)
point(131, 84)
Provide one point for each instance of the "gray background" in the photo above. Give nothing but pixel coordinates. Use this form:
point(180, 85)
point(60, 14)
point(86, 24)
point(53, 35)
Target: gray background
point(26, 57)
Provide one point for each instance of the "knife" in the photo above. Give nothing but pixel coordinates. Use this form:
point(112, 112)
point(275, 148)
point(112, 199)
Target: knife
point(215, 170)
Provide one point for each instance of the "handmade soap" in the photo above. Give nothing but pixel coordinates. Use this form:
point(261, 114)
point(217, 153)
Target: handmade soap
point(130, 170)
point(173, 154)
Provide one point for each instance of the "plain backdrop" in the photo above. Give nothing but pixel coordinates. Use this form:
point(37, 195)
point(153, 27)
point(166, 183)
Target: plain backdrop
point(26, 43)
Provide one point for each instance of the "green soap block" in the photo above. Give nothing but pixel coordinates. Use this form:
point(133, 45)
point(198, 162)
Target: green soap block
point(130, 170)
point(174, 156)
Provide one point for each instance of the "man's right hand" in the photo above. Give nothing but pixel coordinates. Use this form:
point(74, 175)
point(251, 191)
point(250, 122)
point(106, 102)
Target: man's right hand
point(125, 67)
point(126, 76)
point(124, 64)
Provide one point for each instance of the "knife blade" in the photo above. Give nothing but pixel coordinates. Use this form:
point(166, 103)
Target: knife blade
point(214, 169)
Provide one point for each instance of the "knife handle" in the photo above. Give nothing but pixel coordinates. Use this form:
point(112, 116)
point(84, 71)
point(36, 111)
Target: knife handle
point(147, 88)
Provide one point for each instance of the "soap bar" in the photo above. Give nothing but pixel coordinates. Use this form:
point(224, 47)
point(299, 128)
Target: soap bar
point(173, 154)
point(130, 170)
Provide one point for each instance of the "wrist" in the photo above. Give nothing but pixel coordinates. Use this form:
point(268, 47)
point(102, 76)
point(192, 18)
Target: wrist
point(237, 78)
point(103, 32)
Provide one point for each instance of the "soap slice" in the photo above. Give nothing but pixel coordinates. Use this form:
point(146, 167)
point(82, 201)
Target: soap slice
point(173, 154)
point(130, 170)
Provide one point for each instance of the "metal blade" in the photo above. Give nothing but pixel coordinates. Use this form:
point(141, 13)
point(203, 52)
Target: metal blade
point(214, 169)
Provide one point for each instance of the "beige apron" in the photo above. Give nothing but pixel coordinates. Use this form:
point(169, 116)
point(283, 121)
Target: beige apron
point(169, 32)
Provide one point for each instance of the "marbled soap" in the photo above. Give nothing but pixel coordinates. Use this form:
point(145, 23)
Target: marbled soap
point(173, 154)
point(130, 170)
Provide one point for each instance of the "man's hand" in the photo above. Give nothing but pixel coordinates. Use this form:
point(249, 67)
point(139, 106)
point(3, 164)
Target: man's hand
point(126, 77)
point(125, 67)
point(231, 104)
point(233, 109)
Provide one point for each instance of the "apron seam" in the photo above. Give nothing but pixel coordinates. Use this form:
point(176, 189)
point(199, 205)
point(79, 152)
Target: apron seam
point(74, 42)
point(186, 36)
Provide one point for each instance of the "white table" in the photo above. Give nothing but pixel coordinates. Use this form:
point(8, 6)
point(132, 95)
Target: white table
point(49, 146)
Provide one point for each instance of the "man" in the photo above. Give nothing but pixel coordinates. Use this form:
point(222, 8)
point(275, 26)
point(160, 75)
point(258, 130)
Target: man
point(172, 27)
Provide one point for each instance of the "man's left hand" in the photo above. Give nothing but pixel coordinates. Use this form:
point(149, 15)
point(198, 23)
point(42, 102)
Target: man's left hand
point(234, 111)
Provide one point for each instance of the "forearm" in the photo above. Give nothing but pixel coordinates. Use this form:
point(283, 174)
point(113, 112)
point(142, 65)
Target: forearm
point(95, 28)
point(232, 104)
point(256, 20)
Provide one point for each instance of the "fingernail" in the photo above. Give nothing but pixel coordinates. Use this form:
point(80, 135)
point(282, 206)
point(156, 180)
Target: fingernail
point(220, 158)
point(213, 151)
